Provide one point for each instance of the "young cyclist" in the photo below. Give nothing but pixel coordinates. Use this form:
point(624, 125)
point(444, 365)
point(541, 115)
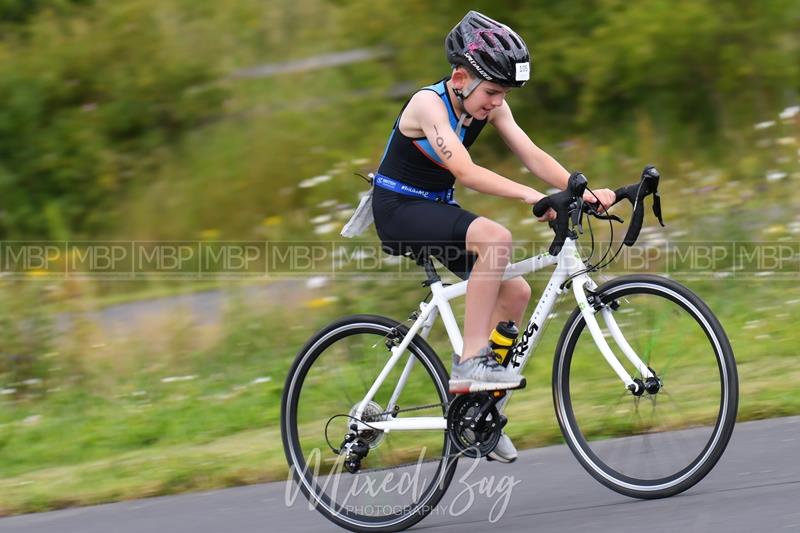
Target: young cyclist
point(428, 152)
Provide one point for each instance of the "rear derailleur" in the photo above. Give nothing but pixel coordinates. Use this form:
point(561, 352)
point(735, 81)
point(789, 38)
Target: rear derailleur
point(355, 449)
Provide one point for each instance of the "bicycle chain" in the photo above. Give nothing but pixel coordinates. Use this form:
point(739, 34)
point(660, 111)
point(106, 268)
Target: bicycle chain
point(419, 408)
point(431, 460)
point(392, 335)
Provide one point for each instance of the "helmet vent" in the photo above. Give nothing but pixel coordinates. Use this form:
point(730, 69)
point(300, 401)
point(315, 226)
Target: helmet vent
point(486, 59)
point(485, 20)
point(488, 40)
point(502, 41)
point(516, 41)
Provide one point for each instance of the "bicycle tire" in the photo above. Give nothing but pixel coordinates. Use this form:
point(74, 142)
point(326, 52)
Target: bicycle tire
point(323, 341)
point(675, 342)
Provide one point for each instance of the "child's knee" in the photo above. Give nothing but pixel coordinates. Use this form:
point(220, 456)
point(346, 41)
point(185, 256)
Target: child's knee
point(485, 235)
point(516, 291)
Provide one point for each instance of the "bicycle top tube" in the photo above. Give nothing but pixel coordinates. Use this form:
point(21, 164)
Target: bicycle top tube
point(567, 261)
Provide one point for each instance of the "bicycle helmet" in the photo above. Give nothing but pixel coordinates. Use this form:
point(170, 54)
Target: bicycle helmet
point(493, 51)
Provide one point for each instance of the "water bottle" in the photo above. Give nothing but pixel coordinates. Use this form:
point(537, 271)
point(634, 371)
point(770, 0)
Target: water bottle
point(502, 340)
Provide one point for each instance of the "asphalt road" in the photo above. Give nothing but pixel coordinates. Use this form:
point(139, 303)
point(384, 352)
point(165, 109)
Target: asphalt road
point(203, 308)
point(754, 487)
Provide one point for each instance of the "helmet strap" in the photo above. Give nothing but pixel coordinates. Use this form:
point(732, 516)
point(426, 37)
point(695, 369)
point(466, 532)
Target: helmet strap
point(471, 87)
point(461, 120)
point(462, 95)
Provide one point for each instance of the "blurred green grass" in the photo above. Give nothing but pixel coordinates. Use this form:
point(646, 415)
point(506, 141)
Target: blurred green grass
point(169, 410)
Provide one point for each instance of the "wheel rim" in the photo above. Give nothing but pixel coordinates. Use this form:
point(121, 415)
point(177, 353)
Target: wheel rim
point(399, 475)
point(658, 441)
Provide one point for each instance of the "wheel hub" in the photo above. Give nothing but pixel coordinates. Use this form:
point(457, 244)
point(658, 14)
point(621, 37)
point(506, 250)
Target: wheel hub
point(372, 413)
point(652, 385)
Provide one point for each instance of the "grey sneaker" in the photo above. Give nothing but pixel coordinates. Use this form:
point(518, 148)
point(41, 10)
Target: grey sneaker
point(482, 373)
point(504, 452)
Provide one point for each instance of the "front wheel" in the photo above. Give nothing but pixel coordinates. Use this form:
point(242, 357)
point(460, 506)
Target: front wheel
point(665, 441)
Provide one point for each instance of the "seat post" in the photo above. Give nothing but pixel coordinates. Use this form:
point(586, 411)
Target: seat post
point(424, 261)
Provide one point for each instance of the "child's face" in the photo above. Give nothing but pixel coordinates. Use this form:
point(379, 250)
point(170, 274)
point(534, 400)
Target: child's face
point(486, 97)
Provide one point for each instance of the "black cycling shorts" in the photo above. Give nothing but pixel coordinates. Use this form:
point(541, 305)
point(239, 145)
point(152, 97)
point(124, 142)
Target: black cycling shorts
point(407, 224)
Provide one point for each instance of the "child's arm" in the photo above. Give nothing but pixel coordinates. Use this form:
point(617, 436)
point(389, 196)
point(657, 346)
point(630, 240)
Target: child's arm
point(427, 111)
point(534, 158)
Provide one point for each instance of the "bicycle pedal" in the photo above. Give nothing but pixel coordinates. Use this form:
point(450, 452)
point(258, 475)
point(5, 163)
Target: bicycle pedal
point(502, 421)
point(466, 388)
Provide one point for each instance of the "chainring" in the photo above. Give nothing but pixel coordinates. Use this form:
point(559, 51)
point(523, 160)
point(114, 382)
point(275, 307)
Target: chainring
point(473, 437)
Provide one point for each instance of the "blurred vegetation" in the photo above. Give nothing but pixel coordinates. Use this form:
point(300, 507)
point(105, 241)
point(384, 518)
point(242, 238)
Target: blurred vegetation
point(91, 97)
point(115, 113)
point(19, 11)
point(28, 335)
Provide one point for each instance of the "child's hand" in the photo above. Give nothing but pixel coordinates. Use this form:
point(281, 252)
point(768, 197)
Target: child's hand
point(550, 214)
point(606, 197)
point(532, 197)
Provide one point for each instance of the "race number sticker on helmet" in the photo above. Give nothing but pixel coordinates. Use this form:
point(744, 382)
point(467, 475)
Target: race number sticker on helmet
point(523, 71)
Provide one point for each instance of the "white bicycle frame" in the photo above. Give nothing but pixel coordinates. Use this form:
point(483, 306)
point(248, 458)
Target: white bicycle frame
point(568, 262)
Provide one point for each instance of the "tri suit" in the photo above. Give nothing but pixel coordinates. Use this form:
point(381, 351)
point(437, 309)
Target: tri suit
point(407, 223)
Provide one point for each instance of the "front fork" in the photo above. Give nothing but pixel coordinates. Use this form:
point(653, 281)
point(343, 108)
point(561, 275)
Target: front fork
point(589, 304)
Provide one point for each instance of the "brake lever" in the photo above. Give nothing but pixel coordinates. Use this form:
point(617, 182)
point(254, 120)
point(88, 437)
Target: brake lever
point(653, 176)
point(592, 210)
point(576, 212)
point(657, 208)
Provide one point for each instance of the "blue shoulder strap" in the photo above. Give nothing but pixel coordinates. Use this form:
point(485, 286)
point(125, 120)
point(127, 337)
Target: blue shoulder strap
point(425, 145)
point(439, 88)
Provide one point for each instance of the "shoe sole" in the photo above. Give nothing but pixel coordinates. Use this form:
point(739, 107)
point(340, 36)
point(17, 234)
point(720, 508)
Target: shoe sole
point(465, 387)
point(496, 458)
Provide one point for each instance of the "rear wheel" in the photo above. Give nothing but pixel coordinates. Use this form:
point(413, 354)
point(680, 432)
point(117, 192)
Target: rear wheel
point(405, 473)
point(666, 440)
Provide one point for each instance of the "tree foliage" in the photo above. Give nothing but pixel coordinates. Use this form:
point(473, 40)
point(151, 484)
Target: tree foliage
point(93, 94)
point(719, 62)
point(88, 101)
